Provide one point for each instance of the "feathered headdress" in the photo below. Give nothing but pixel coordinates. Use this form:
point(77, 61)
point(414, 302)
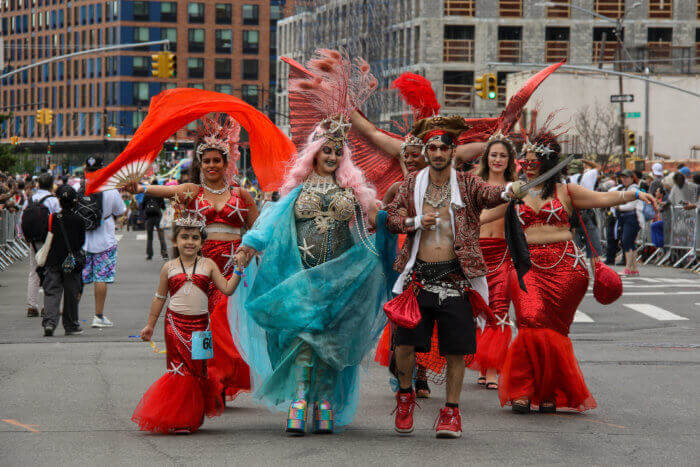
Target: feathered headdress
point(541, 140)
point(333, 87)
point(224, 137)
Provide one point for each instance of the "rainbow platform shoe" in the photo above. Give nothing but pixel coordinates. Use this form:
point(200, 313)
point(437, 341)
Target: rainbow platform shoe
point(323, 417)
point(296, 419)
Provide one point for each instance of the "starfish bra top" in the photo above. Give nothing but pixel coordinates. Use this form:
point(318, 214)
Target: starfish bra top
point(551, 213)
point(233, 213)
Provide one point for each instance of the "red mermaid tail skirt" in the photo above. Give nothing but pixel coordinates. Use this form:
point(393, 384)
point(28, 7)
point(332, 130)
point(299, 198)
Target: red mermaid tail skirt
point(184, 394)
point(540, 364)
point(227, 365)
point(492, 343)
point(541, 367)
point(383, 353)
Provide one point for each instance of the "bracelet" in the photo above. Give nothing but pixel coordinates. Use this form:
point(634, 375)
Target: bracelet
point(636, 194)
point(622, 194)
point(145, 188)
point(238, 272)
point(162, 297)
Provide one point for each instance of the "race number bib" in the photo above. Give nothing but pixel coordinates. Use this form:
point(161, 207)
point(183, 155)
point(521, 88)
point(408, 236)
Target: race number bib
point(202, 345)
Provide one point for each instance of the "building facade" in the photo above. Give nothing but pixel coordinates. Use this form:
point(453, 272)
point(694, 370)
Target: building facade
point(452, 42)
point(224, 46)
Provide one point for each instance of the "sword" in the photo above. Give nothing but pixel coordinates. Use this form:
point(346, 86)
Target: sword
point(520, 189)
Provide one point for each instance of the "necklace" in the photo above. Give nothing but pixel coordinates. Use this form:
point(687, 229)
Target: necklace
point(319, 183)
point(436, 195)
point(212, 190)
point(187, 289)
point(536, 193)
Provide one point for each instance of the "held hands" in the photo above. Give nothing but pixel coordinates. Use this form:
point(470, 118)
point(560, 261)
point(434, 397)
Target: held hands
point(428, 221)
point(146, 333)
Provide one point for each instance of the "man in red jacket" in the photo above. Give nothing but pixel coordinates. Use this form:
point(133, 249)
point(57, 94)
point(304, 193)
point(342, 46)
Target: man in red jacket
point(442, 255)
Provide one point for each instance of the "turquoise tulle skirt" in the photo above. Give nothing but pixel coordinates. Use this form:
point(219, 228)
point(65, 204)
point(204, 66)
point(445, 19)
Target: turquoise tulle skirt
point(327, 317)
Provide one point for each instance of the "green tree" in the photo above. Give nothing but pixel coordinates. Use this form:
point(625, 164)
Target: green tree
point(8, 157)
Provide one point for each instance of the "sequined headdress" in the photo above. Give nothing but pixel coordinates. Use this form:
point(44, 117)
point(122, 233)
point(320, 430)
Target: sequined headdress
point(221, 134)
point(540, 140)
point(333, 88)
point(183, 216)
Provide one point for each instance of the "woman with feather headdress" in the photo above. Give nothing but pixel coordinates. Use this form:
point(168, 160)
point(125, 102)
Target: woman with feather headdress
point(314, 308)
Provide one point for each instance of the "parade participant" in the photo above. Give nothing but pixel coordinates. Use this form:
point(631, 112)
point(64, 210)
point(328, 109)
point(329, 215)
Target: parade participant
point(228, 210)
point(313, 310)
point(540, 368)
point(441, 256)
point(178, 400)
point(497, 167)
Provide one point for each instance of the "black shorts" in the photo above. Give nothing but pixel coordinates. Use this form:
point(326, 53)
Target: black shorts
point(455, 321)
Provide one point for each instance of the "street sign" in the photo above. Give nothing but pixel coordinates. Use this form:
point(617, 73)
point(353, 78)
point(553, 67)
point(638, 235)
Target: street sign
point(622, 98)
point(633, 114)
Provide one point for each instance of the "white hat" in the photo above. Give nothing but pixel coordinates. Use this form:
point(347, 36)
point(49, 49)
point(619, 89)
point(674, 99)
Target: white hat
point(657, 169)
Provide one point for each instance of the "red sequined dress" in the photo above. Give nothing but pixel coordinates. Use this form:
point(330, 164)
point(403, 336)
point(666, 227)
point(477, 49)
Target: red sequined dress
point(180, 398)
point(540, 364)
point(227, 365)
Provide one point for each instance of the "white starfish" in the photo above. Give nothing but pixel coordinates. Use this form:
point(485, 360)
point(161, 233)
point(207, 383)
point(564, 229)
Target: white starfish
point(230, 261)
point(188, 194)
point(503, 321)
point(237, 210)
point(579, 257)
point(518, 212)
point(198, 209)
point(306, 250)
point(176, 369)
point(552, 212)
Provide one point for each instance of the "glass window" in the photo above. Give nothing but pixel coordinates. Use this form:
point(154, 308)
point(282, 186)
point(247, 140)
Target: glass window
point(224, 88)
point(222, 68)
point(250, 69)
point(249, 93)
point(195, 67)
point(141, 35)
point(223, 13)
point(224, 41)
point(140, 93)
point(141, 11)
point(195, 12)
point(140, 66)
point(193, 125)
point(168, 11)
point(195, 40)
point(171, 35)
point(250, 14)
point(275, 13)
point(251, 42)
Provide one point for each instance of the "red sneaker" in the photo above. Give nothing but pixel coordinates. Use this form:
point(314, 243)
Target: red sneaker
point(405, 403)
point(448, 423)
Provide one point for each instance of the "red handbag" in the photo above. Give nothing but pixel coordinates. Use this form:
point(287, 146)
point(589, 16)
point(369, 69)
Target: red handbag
point(607, 285)
point(403, 310)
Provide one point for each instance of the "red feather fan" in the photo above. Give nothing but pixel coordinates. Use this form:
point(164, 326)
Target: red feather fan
point(418, 94)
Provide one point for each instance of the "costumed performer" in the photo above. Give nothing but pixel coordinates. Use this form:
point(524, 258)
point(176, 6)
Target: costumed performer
point(441, 259)
point(178, 400)
point(540, 368)
point(228, 210)
point(314, 308)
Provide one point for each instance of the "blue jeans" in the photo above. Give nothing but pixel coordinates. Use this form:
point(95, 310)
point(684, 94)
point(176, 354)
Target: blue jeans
point(630, 229)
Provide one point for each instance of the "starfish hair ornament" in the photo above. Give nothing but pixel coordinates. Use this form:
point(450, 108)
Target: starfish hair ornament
point(543, 140)
point(188, 218)
point(499, 136)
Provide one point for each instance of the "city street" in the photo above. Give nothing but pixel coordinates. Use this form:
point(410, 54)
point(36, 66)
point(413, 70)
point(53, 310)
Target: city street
point(68, 400)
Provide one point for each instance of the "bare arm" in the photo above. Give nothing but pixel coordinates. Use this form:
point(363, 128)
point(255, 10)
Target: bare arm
point(467, 152)
point(252, 208)
point(587, 199)
point(490, 215)
point(162, 191)
point(397, 210)
point(227, 287)
point(391, 193)
point(386, 143)
point(591, 164)
point(156, 304)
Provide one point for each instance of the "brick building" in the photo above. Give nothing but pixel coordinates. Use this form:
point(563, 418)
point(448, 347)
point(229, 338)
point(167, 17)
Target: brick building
point(452, 41)
point(225, 46)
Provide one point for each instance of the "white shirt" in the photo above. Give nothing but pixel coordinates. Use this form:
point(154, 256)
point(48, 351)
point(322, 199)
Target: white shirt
point(587, 180)
point(103, 238)
point(51, 202)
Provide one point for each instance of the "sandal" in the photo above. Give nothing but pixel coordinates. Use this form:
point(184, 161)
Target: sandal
point(492, 385)
point(519, 406)
point(548, 407)
point(481, 381)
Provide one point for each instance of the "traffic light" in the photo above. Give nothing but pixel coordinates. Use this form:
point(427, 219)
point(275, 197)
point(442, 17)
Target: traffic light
point(40, 116)
point(481, 86)
point(162, 64)
point(175, 146)
point(491, 86)
point(631, 141)
point(48, 116)
point(14, 140)
point(111, 131)
point(48, 149)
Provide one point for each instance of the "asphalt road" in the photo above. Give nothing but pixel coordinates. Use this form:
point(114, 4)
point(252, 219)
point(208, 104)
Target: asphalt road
point(68, 400)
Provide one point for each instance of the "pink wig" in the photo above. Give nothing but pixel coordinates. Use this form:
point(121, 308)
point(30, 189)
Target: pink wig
point(346, 175)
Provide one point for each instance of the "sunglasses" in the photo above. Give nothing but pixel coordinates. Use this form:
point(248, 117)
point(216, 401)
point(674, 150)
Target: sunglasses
point(328, 150)
point(526, 164)
point(435, 147)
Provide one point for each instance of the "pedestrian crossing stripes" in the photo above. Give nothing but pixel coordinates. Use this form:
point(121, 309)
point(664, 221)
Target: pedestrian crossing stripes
point(141, 236)
point(654, 311)
point(119, 237)
point(581, 317)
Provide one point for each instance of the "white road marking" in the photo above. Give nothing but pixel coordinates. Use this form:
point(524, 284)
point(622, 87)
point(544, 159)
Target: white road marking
point(678, 281)
point(654, 312)
point(119, 237)
point(140, 236)
point(656, 286)
point(684, 292)
point(581, 317)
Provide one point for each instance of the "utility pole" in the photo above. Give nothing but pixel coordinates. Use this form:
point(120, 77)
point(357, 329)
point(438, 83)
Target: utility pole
point(618, 55)
point(647, 148)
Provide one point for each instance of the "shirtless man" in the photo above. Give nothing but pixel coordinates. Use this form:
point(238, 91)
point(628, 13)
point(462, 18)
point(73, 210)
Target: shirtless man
point(442, 255)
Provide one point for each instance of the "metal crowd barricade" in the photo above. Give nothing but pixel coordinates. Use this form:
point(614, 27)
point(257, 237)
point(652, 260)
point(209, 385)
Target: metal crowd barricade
point(12, 247)
point(683, 234)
